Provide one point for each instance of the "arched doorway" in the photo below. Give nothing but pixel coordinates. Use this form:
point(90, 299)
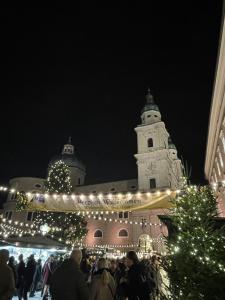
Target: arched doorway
point(145, 243)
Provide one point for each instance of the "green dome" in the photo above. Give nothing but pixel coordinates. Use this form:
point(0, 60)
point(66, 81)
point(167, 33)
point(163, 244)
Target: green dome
point(150, 104)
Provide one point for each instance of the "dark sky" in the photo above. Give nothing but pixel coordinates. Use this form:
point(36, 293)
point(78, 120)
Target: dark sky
point(83, 71)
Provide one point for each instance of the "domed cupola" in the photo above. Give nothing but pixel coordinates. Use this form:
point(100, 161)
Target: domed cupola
point(77, 168)
point(150, 114)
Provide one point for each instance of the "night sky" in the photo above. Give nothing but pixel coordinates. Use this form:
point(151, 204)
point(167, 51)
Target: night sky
point(83, 71)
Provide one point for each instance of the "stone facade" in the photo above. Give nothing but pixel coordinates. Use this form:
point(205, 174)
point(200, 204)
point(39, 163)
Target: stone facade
point(215, 153)
point(158, 168)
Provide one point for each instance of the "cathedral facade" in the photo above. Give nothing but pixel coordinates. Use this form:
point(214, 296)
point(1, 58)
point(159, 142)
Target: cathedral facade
point(159, 168)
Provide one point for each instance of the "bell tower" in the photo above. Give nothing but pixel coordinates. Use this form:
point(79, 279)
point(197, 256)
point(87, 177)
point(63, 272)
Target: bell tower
point(157, 161)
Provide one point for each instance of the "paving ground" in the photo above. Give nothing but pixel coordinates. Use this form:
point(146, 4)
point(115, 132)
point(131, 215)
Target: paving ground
point(37, 297)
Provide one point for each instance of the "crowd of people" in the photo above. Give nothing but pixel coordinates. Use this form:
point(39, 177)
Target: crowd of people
point(80, 277)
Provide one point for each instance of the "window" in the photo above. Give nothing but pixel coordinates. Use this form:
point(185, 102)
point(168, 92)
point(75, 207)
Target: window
point(13, 196)
point(133, 187)
point(120, 215)
point(29, 216)
point(9, 215)
point(218, 167)
point(123, 233)
point(98, 233)
point(125, 215)
point(155, 116)
point(38, 186)
point(223, 141)
point(149, 116)
point(150, 142)
point(79, 181)
point(112, 190)
point(152, 183)
point(221, 159)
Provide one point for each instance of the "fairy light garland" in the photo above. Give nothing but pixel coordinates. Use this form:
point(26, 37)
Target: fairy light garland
point(91, 196)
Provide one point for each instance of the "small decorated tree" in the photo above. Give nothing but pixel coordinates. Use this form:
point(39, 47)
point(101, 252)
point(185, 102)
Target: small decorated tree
point(67, 228)
point(196, 252)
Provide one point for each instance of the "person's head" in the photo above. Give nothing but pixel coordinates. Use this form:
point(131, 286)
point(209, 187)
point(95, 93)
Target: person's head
point(76, 255)
point(21, 257)
point(51, 258)
point(31, 257)
point(103, 265)
point(39, 261)
point(4, 256)
point(132, 258)
point(113, 265)
point(154, 259)
point(11, 260)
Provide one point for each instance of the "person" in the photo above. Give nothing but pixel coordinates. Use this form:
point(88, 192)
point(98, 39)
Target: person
point(121, 281)
point(20, 277)
point(12, 265)
point(103, 285)
point(137, 284)
point(67, 282)
point(36, 279)
point(7, 282)
point(85, 267)
point(48, 269)
point(113, 267)
point(28, 275)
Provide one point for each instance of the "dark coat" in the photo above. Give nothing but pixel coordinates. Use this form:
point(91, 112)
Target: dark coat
point(135, 288)
point(67, 283)
point(7, 283)
point(20, 273)
point(13, 267)
point(29, 272)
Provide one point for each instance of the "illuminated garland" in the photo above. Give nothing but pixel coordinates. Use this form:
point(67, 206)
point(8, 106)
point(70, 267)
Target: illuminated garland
point(90, 196)
point(11, 231)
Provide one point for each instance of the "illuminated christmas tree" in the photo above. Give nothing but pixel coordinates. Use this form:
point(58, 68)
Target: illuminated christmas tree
point(67, 228)
point(196, 260)
point(59, 180)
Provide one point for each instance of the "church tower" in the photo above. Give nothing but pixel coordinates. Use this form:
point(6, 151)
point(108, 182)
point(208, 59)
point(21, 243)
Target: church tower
point(157, 161)
point(77, 168)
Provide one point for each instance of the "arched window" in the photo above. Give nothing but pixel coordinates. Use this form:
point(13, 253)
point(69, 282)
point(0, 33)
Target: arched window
point(150, 142)
point(98, 233)
point(37, 185)
point(123, 233)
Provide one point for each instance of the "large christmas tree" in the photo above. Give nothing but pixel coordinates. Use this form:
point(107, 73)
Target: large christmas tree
point(59, 180)
point(67, 228)
point(196, 260)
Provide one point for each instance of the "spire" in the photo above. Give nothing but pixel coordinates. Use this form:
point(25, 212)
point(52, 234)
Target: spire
point(150, 103)
point(171, 144)
point(149, 97)
point(69, 140)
